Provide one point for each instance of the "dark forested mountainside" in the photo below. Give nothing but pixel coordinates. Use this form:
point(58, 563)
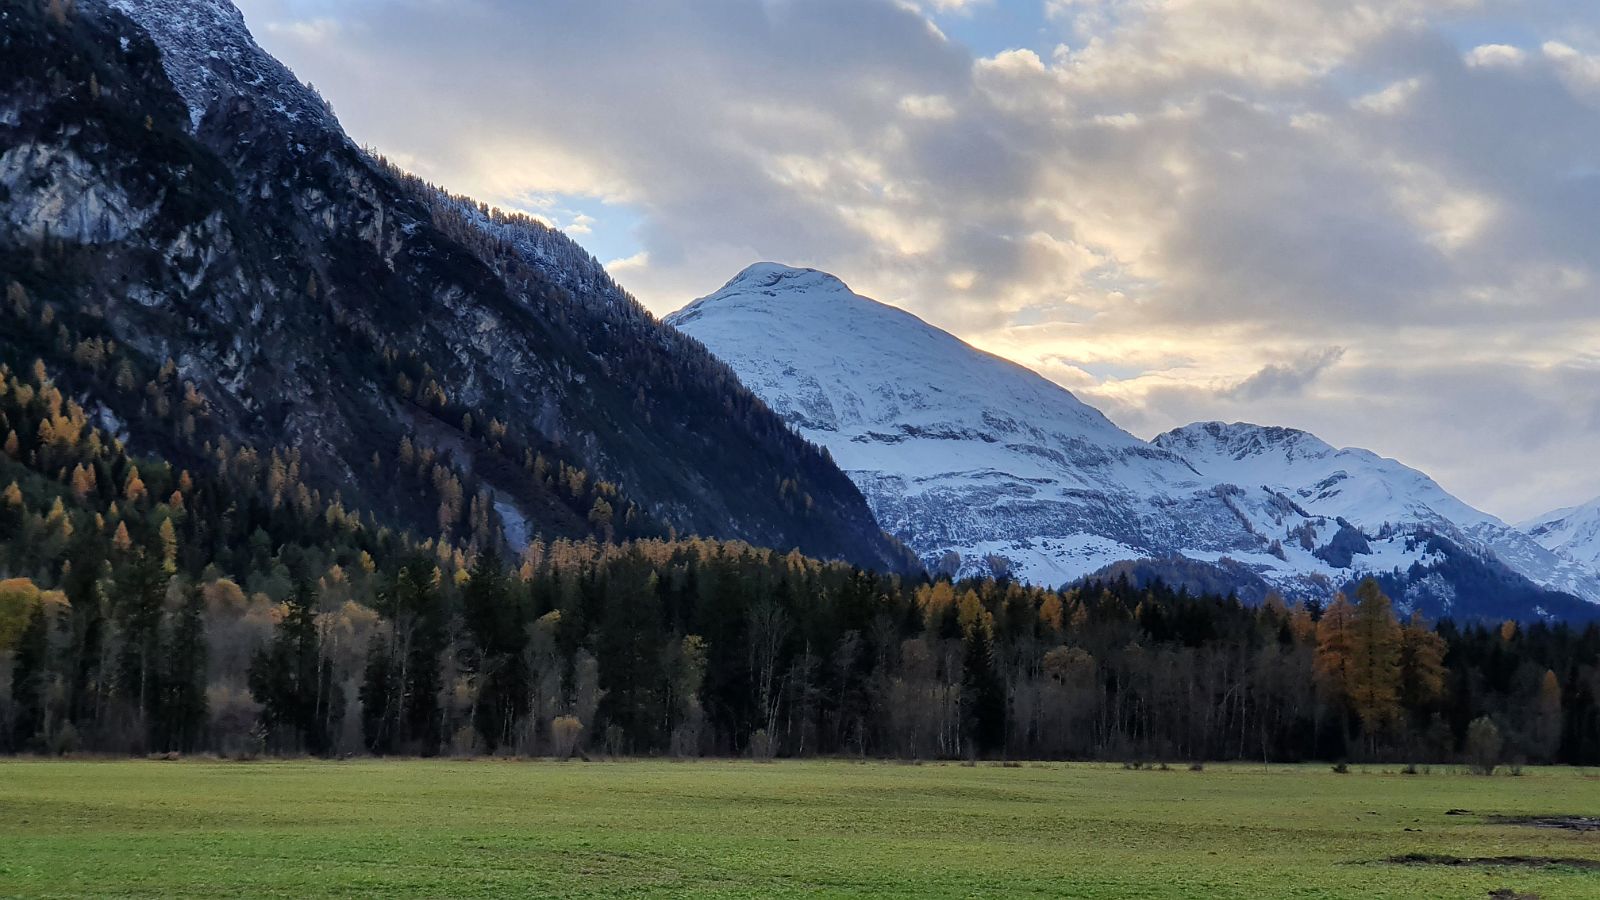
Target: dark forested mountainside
point(1479, 588)
point(297, 296)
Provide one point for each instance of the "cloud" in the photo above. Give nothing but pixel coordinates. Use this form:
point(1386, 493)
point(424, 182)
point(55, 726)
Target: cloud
point(1174, 211)
point(581, 224)
point(621, 267)
point(1581, 70)
point(314, 30)
point(956, 6)
point(927, 106)
point(1489, 55)
point(1390, 100)
point(1290, 378)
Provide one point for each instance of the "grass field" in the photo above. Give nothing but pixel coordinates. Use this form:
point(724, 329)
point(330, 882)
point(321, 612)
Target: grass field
point(498, 828)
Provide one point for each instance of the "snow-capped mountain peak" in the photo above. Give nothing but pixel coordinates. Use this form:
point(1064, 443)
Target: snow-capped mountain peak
point(1357, 485)
point(1573, 532)
point(959, 450)
point(1377, 495)
point(772, 278)
point(1242, 440)
point(980, 464)
point(833, 361)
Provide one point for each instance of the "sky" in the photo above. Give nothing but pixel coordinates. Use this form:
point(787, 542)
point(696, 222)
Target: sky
point(1377, 220)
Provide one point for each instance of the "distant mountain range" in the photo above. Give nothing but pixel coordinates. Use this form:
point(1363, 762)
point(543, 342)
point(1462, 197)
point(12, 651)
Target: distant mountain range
point(982, 466)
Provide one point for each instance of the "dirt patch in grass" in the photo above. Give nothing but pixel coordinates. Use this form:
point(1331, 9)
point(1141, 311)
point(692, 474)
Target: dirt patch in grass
point(1521, 862)
point(1564, 823)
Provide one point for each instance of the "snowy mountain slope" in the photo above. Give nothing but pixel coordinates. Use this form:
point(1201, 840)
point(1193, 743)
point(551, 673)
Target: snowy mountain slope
point(899, 389)
point(979, 464)
point(1379, 496)
point(955, 449)
point(1353, 484)
point(1573, 532)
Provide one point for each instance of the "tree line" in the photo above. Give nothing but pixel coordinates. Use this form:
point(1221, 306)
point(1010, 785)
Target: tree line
point(703, 648)
point(232, 608)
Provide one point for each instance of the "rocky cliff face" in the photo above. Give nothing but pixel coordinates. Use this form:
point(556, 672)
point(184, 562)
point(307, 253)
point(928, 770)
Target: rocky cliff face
point(167, 186)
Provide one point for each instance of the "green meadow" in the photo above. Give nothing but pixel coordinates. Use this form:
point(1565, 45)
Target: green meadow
point(740, 829)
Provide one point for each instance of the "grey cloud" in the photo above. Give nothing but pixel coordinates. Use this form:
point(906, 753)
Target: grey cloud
point(1147, 187)
point(1286, 379)
point(1510, 439)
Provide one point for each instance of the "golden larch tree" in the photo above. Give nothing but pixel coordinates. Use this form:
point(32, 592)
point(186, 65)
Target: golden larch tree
point(1547, 717)
point(1422, 671)
point(1375, 660)
point(121, 540)
point(1335, 648)
point(169, 545)
point(82, 482)
point(133, 490)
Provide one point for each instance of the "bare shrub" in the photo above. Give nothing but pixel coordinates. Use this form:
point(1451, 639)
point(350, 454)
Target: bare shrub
point(464, 742)
point(565, 733)
point(65, 740)
point(1484, 745)
point(233, 717)
point(686, 740)
point(526, 740)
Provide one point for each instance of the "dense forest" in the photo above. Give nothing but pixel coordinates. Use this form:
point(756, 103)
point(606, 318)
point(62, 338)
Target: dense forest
point(227, 607)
